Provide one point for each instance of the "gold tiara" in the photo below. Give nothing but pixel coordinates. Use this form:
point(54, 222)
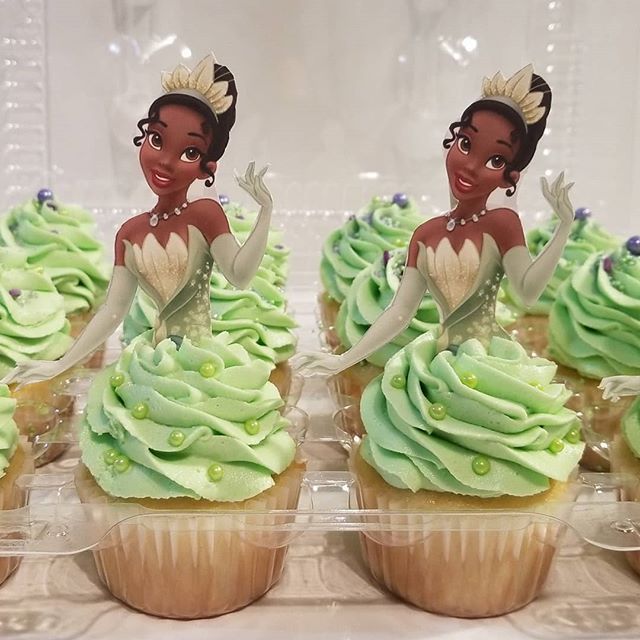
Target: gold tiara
point(516, 92)
point(200, 83)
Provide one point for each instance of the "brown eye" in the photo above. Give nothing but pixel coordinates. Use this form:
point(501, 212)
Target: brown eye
point(464, 144)
point(191, 154)
point(155, 139)
point(496, 163)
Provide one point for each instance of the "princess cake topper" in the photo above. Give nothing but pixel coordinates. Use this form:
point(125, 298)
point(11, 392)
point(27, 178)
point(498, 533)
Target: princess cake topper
point(462, 256)
point(169, 251)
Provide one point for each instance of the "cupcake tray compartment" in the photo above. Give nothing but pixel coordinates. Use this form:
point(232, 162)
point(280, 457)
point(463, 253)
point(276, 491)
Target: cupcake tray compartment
point(55, 523)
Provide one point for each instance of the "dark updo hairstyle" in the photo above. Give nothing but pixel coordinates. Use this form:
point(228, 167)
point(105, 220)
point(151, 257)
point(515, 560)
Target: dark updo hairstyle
point(218, 126)
point(527, 136)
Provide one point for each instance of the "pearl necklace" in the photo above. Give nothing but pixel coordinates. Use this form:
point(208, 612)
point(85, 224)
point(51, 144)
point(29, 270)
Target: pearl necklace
point(452, 222)
point(154, 217)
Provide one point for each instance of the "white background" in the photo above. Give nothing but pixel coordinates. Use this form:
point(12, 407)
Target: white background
point(345, 98)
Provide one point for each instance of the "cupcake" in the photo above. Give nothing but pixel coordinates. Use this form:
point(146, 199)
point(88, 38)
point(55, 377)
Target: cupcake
point(254, 318)
point(193, 428)
point(594, 331)
point(15, 460)
point(360, 241)
point(625, 460)
point(33, 326)
point(370, 294)
point(61, 239)
point(484, 428)
point(586, 238)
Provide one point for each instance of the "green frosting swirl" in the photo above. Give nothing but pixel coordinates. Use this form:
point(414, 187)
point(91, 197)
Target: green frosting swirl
point(255, 318)
point(207, 423)
point(276, 256)
point(372, 292)
point(482, 422)
point(361, 241)
point(8, 429)
point(32, 314)
point(61, 239)
point(586, 238)
point(594, 324)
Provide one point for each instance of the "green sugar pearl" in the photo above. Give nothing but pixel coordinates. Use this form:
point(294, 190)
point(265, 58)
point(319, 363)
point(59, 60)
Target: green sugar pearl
point(215, 472)
point(140, 410)
point(538, 386)
point(252, 427)
point(398, 382)
point(116, 380)
point(556, 445)
point(469, 379)
point(207, 369)
point(110, 456)
point(121, 464)
point(573, 436)
point(176, 438)
point(481, 465)
point(438, 411)
point(400, 242)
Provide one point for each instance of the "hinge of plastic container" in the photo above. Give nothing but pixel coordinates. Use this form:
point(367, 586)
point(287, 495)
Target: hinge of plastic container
point(609, 525)
point(33, 481)
point(603, 482)
point(329, 490)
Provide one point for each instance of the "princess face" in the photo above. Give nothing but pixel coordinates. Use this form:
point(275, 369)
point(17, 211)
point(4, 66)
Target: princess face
point(173, 147)
point(478, 156)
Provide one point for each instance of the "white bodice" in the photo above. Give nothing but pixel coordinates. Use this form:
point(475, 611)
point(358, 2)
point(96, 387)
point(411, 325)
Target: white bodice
point(453, 273)
point(176, 277)
point(162, 267)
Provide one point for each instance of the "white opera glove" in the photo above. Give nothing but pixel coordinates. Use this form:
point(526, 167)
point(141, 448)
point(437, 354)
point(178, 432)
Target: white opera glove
point(527, 276)
point(239, 264)
point(613, 387)
point(122, 289)
point(393, 321)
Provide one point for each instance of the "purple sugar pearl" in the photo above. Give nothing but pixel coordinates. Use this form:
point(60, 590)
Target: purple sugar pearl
point(401, 199)
point(633, 245)
point(582, 213)
point(44, 195)
point(385, 257)
point(607, 264)
point(15, 293)
point(223, 199)
point(279, 247)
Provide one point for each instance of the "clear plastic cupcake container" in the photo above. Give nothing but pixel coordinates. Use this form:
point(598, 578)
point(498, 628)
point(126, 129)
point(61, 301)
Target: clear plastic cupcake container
point(42, 408)
point(12, 496)
point(201, 562)
point(600, 418)
point(531, 332)
point(327, 313)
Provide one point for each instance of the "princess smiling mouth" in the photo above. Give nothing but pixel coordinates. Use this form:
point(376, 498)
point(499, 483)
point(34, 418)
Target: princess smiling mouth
point(160, 180)
point(463, 185)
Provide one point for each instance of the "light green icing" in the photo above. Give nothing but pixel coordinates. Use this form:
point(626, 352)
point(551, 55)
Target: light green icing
point(255, 318)
point(61, 239)
point(371, 293)
point(210, 412)
point(8, 429)
point(32, 324)
point(362, 239)
point(276, 256)
point(504, 420)
point(587, 237)
point(594, 324)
